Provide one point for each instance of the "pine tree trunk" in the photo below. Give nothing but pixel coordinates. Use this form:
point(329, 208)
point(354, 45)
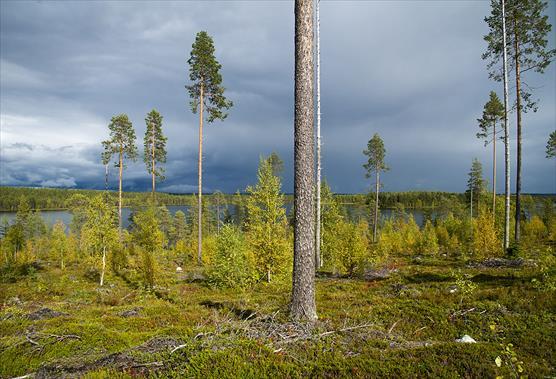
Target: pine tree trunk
point(518, 109)
point(376, 205)
point(303, 307)
point(106, 177)
point(318, 257)
point(471, 203)
point(199, 198)
point(507, 190)
point(494, 172)
point(153, 165)
point(121, 160)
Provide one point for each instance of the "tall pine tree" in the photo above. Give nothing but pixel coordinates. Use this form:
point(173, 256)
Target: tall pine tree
point(121, 144)
point(489, 127)
point(375, 153)
point(527, 43)
point(207, 95)
point(155, 148)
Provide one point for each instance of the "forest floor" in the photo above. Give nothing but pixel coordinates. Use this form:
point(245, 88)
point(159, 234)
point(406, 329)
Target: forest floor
point(56, 324)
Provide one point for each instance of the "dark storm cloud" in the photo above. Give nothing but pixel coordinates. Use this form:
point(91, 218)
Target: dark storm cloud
point(411, 71)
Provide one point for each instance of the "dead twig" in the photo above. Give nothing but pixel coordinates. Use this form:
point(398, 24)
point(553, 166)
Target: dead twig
point(393, 326)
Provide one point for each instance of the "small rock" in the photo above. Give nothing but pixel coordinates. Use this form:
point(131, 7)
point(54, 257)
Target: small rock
point(466, 339)
point(453, 289)
point(44, 313)
point(383, 273)
point(179, 269)
point(133, 312)
point(14, 301)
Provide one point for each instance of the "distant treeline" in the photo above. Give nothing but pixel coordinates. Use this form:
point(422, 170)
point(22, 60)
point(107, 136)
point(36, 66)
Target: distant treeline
point(410, 200)
point(55, 198)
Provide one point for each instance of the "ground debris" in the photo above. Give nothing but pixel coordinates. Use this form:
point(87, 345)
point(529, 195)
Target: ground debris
point(133, 312)
point(44, 313)
point(501, 263)
point(136, 361)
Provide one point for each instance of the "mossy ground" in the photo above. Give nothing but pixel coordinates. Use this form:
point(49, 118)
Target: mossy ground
point(411, 322)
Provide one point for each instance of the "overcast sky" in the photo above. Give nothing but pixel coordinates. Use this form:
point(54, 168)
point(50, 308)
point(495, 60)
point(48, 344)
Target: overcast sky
point(408, 70)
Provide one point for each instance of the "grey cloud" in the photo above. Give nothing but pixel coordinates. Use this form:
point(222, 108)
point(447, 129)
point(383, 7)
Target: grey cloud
point(411, 71)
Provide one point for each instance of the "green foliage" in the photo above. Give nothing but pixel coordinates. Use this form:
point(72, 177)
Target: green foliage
point(551, 146)
point(465, 286)
point(508, 358)
point(233, 265)
point(375, 154)
point(428, 242)
point(476, 185)
point(122, 140)
point(267, 229)
point(148, 236)
point(204, 73)
point(526, 23)
point(493, 113)
point(155, 145)
point(59, 243)
point(99, 234)
point(486, 243)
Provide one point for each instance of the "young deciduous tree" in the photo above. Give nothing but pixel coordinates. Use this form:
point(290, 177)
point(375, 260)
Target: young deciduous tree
point(99, 231)
point(303, 307)
point(149, 237)
point(219, 200)
point(493, 112)
point(375, 153)
point(155, 147)
point(528, 30)
point(121, 144)
point(58, 242)
point(551, 146)
point(475, 184)
point(207, 94)
point(267, 223)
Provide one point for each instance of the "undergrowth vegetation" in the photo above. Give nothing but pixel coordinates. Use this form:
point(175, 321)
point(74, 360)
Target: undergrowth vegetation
point(90, 299)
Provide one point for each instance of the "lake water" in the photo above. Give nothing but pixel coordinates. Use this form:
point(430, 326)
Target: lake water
point(354, 212)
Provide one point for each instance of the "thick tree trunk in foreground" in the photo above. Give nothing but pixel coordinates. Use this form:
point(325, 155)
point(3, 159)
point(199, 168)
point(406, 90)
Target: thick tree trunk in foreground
point(318, 257)
point(303, 307)
point(199, 198)
point(507, 189)
point(518, 105)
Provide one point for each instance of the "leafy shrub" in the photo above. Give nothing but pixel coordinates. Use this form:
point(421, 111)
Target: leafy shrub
point(233, 265)
point(427, 243)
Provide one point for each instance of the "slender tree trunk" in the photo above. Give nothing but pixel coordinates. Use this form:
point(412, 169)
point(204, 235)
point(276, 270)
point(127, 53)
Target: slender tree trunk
point(518, 108)
point(153, 166)
point(218, 216)
point(377, 188)
point(303, 307)
point(318, 256)
point(507, 189)
point(121, 160)
point(199, 198)
point(471, 192)
point(106, 177)
point(494, 172)
point(103, 266)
